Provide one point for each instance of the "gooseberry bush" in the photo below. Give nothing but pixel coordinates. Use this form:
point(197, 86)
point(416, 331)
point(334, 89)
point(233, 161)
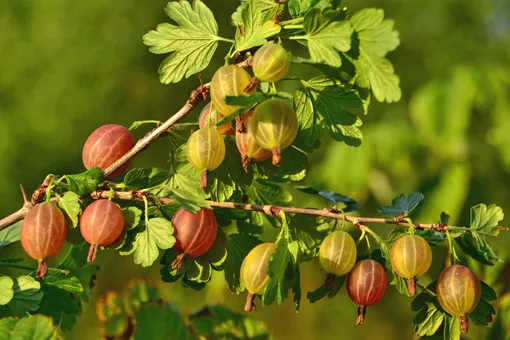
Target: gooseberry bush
point(231, 173)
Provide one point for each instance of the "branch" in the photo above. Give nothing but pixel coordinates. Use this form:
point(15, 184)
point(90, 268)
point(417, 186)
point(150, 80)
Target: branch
point(196, 96)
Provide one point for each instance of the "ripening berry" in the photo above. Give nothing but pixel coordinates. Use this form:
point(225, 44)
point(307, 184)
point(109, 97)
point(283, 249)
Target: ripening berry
point(253, 271)
point(105, 146)
point(458, 291)
point(248, 147)
point(366, 285)
point(194, 233)
point(205, 151)
point(271, 62)
point(275, 126)
point(411, 257)
point(229, 80)
point(101, 224)
point(43, 233)
point(337, 253)
point(207, 118)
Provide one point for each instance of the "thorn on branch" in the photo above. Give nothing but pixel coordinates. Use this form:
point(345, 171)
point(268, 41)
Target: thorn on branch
point(400, 218)
point(333, 210)
point(271, 210)
point(26, 202)
point(441, 227)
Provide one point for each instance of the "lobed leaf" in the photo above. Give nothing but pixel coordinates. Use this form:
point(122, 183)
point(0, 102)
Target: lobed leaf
point(403, 205)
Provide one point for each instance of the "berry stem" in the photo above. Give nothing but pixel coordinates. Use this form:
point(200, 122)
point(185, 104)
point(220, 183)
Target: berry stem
point(178, 263)
point(42, 269)
point(330, 282)
point(246, 162)
point(250, 304)
point(411, 286)
point(92, 253)
point(361, 315)
point(240, 124)
point(277, 156)
point(204, 179)
point(464, 324)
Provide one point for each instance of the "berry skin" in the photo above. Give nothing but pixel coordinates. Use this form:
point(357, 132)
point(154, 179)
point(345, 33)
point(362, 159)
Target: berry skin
point(411, 257)
point(106, 145)
point(229, 80)
point(43, 234)
point(271, 63)
point(275, 126)
point(205, 151)
point(209, 113)
point(366, 285)
point(458, 292)
point(194, 233)
point(101, 224)
point(253, 271)
point(248, 147)
point(337, 253)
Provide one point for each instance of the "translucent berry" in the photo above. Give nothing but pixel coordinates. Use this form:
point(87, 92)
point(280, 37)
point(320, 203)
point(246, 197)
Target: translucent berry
point(337, 253)
point(411, 257)
point(105, 146)
point(366, 285)
point(275, 126)
point(194, 233)
point(205, 151)
point(43, 234)
point(207, 118)
point(271, 62)
point(248, 147)
point(459, 291)
point(229, 80)
point(101, 224)
point(253, 271)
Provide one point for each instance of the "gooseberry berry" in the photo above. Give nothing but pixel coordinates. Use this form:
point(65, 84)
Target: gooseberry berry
point(208, 117)
point(411, 257)
point(43, 233)
point(274, 126)
point(366, 285)
point(458, 292)
point(194, 233)
point(337, 253)
point(248, 147)
point(205, 151)
point(106, 145)
point(271, 62)
point(229, 80)
point(101, 224)
point(253, 272)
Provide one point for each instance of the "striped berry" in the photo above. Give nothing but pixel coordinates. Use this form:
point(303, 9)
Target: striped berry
point(229, 80)
point(337, 253)
point(101, 224)
point(208, 117)
point(271, 62)
point(366, 285)
point(248, 147)
point(43, 234)
point(105, 146)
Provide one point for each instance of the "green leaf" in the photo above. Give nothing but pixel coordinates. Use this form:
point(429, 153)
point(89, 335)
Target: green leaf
point(484, 310)
point(485, 220)
point(321, 292)
point(325, 102)
point(10, 235)
point(256, 27)
point(192, 43)
point(157, 234)
point(132, 216)
point(298, 8)
point(75, 261)
point(264, 192)
point(85, 182)
point(70, 203)
point(60, 305)
point(189, 201)
point(429, 319)
point(403, 205)
point(245, 101)
point(62, 280)
point(451, 328)
point(376, 38)
point(277, 286)
point(145, 178)
point(310, 231)
point(160, 321)
point(218, 322)
point(27, 297)
point(238, 246)
point(476, 246)
point(350, 203)
point(433, 237)
point(32, 327)
point(6, 290)
point(326, 37)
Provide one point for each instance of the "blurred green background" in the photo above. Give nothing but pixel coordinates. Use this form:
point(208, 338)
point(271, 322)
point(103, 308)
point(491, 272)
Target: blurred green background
point(68, 67)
